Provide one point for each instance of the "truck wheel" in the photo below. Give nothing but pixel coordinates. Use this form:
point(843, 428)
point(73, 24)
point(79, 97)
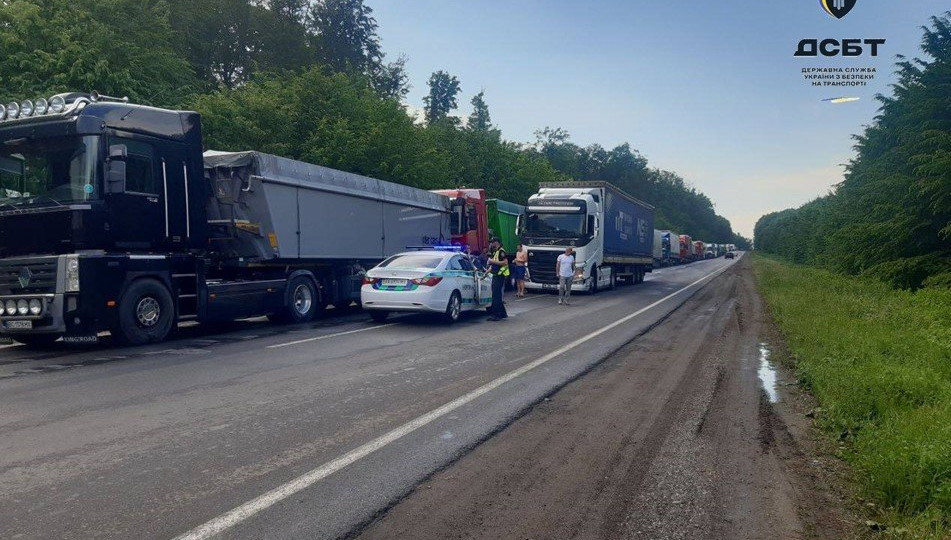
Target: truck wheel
point(36, 341)
point(613, 281)
point(379, 316)
point(453, 308)
point(146, 313)
point(302, 301)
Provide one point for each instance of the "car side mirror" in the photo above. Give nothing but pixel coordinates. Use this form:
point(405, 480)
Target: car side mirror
point(116, 168)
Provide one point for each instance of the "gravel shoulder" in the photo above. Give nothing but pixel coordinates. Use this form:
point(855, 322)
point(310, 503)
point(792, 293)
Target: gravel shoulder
point(673, 436)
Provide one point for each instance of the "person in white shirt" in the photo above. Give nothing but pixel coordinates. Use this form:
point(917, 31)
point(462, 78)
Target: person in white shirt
point(565, 268)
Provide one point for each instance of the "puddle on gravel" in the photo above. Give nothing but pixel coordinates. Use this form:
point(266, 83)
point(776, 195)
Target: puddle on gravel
point(767, 374)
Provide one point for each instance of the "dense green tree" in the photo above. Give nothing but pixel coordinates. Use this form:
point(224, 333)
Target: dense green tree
point(118, 47)
point(891, 215)
point(443, 90)
point(479, 119)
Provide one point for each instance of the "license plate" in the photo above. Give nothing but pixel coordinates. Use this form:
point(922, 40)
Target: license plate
point(19, 325)
point(394, 282)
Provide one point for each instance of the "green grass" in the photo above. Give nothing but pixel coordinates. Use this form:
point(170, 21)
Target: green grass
point(878, 360)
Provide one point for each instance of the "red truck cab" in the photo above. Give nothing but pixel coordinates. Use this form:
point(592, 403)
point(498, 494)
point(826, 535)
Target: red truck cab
point(469, 226)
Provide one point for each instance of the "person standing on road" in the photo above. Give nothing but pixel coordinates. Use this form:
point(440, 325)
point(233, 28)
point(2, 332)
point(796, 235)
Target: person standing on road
point(565, 269)
point(499, 268)
point(521, 267)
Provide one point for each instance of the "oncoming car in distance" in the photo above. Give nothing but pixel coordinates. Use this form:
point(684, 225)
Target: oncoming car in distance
point(431, 281)
point(730, 255)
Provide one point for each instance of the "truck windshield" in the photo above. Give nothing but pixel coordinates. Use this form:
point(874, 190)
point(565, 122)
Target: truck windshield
point(48, 172)
point(555, 225)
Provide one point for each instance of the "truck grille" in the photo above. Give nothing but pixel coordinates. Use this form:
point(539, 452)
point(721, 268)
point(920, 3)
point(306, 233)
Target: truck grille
point(541, 266)
point(28, 276)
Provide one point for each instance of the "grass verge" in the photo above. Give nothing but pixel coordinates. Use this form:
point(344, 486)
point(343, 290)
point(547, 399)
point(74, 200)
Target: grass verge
point(878, 361)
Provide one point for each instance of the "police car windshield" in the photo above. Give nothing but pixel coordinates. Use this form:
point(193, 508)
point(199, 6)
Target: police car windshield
point(412, 260)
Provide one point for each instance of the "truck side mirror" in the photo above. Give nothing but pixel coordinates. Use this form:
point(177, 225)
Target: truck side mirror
point(116, 169)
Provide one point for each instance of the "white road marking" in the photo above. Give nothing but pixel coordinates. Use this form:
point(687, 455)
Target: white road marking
point(318, 338)
point(262, 502)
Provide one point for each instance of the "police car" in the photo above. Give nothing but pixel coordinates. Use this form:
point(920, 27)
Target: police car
point(430, 281)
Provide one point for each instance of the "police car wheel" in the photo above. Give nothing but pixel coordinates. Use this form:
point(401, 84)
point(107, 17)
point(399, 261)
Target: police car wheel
point(453, 308)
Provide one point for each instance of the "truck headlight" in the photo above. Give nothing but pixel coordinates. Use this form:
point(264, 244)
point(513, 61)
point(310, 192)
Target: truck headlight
point(10, 307)
point(36, 307)
point(72, 273)
point(23, 307)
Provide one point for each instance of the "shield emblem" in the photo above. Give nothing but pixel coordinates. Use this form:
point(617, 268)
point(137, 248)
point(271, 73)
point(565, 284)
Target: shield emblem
point(838, 8)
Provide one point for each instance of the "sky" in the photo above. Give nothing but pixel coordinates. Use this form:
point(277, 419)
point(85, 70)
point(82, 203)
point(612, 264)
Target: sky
point(708, 89)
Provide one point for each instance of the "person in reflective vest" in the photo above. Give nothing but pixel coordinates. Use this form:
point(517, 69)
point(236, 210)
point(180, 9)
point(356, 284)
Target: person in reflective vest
point(499, 268)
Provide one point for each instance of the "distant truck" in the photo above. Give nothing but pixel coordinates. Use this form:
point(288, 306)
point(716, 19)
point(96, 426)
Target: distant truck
point(670, 248)
point(686, 248)
point(659, 249)
point(113, 219)
point(612, 234)
point(699, 249)
point(475, 219)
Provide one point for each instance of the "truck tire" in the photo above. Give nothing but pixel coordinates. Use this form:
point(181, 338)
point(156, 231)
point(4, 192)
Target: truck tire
point(613, 280)
point(36, 341)
point(379, 316)
point(301, 302)
point(593, 287)
point(146, 313)
point(453, 308)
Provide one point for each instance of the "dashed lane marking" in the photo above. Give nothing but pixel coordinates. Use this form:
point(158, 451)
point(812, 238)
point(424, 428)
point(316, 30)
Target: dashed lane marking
point(263, 502)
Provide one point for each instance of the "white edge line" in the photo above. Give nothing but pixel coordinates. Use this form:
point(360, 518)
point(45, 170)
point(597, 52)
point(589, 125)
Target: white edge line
point(262, 502)
point(318, 338)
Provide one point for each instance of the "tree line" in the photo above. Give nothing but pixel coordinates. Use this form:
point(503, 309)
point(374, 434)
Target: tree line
point(309, 80)
point(891, 215)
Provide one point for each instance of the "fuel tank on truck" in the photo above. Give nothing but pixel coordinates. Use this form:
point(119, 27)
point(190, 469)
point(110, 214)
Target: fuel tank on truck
point(269, 208)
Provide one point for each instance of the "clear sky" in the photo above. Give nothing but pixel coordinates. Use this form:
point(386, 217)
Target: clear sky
point(709, 89)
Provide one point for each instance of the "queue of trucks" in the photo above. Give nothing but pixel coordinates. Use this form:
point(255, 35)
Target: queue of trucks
point(112, 218)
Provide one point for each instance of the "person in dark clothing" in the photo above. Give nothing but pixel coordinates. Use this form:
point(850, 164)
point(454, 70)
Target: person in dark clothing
point(499, 268)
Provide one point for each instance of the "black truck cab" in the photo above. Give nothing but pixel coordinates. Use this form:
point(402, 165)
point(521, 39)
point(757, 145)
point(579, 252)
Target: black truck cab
point(94, 194)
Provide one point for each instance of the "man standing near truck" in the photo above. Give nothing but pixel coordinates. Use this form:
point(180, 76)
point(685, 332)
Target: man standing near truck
point(499, 268)
point(565, 269)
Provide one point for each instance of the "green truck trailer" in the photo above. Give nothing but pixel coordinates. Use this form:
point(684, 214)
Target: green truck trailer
point(503, 222)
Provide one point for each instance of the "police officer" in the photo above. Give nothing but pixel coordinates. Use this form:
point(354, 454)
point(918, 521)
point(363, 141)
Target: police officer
point(499, 268)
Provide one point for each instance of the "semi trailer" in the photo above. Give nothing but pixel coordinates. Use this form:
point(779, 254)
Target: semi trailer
point(612, 234)
point(112, 218)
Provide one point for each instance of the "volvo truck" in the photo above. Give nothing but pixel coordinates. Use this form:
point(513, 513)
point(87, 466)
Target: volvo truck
point(113, 219)
point(612, 234)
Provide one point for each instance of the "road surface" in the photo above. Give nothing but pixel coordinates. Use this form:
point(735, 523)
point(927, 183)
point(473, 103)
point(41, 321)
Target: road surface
point(317, 431)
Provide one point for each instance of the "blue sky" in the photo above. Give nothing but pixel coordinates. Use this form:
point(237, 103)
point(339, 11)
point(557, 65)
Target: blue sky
point(708, 89)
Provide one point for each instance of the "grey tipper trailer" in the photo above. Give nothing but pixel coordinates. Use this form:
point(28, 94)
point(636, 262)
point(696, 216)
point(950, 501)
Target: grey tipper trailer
point(276, 209)
point(285, 219)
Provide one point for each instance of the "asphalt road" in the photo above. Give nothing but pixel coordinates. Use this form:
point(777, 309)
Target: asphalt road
point(288, 432)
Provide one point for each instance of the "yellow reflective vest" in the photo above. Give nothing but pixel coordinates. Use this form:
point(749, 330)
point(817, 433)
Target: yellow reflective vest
point(499, 256)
